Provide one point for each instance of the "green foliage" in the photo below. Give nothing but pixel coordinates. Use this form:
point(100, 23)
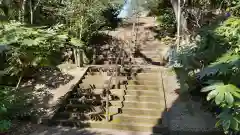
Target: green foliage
point(230, 121)
point(29, 47)
point(167, 19)
point(223, 94)
point(4, 125)
point(13, 104)
point(214, 64)
point(155, 7)
point(233, 6)
point(164, 13)
point(85, 18)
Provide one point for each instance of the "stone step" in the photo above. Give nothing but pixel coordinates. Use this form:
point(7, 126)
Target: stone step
point(68, 115)
point(136, 98)
point(97, 77)
point(143, 82)
point(89, 108)
point(147, 70)
point(97, 73)
point(143, 112)
point(90, 85)
point(149, 105)
point(112, 125)
point(101, 80)
point(117, 92)
point(140, 87)
point(147, 76)
point(156, 59)
point(95, 85)
point(143, 92)
point(153, 52)
point(94, 101)
point(124, 118)
point(152, 56)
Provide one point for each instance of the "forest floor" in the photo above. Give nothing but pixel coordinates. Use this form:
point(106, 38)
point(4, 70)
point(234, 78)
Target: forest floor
point(178, 117)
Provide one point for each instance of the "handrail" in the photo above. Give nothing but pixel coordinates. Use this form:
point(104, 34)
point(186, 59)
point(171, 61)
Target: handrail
point(110, 81)
point(135, 30)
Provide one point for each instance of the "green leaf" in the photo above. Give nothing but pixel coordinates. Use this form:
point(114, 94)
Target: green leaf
point(76, 42)
point(62, 37)
point(226, 124)
point(208, 88)
point(213, 82)
point(229, 98)
point(3, 108)
point(29, 42)
point(219, 98)
point(212, 94)
point(235, 124)
point(218, 123)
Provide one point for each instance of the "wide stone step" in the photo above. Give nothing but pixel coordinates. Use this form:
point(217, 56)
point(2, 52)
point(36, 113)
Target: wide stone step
point(94, 101)
point(97, 73)
point(112, 125)
point(123, 118)
point(142, 92)
point(149, 105)
point(68, 115)
point(154, 59)
point(89, 108)
point(143, 82)
point(145, 112)
point(94, 85)
point(147, 76)
point(114, 92)
point(147, 70)
point(140, 87)
point(135, 98)
point(103, 77)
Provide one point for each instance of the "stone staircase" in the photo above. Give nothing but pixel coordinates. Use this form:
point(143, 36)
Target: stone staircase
point(136, 104)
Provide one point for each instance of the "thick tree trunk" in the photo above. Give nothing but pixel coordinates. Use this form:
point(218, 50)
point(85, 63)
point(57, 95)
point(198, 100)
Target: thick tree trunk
point(19, 15)
point(31, 12)
point(183, 21)
point(23, 11)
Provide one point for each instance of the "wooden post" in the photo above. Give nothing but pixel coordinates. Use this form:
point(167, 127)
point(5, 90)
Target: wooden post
point(179, 24)
point(94, 55)
point(75, 55)
point(116, 77)
point(80, 58)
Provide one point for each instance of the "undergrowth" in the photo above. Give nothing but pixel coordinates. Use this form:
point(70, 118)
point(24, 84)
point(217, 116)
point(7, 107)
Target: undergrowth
point(211, 69)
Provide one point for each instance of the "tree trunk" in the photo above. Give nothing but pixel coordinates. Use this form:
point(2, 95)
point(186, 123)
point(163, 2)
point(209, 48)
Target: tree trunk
point(19, 15)
point(75, 55)
point(31, 12)
point(183, 21)
point(94, 55)
point(81, 58)
point(79, 55)
point(23, 11)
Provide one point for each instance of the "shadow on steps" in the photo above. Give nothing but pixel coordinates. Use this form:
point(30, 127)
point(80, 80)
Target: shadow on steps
point(149, 60)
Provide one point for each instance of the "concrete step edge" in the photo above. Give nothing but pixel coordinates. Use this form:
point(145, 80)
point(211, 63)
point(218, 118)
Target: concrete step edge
point(142, 109)
point(144, 102)
point(137, 116)
point(150, 91)
point(112, 123)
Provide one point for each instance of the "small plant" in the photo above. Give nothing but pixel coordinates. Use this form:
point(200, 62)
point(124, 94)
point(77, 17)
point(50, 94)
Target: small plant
point(4, 126)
